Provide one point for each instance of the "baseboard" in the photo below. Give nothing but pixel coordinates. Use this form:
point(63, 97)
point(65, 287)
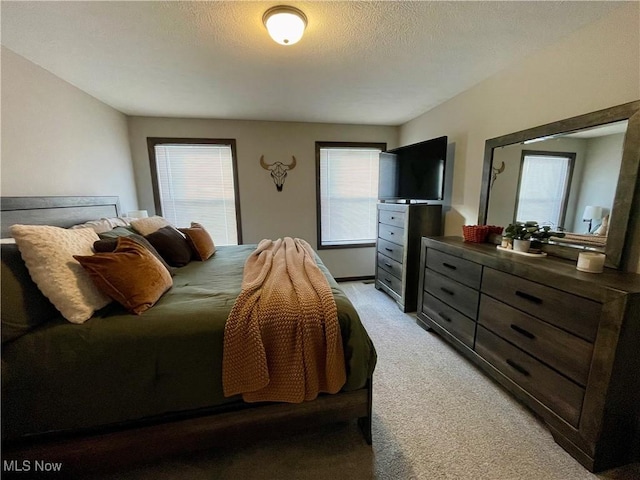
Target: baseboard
point(366, 279)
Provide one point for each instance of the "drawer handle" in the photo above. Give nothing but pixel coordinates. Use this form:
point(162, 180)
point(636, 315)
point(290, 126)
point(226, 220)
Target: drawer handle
point(387, 279)
point(447, 291)
point(522, 331)
point(444, 317)
point(390, 233)
point(448, 265)
point(393, 218)
point(528, 296)
point(388, 249)
point(388, 264)
point(517, 368)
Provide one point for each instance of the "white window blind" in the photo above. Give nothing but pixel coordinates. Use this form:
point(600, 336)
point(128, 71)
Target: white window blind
point(348, 195)
point(196, 183)
point(543, 188)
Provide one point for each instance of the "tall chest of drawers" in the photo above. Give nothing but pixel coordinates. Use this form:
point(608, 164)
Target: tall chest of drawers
point(400, 229)
point(565, 343)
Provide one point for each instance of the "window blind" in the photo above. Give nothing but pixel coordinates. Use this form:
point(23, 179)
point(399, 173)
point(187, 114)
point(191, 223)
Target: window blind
point(543, 188)
point(196, 183)
point(348, 195)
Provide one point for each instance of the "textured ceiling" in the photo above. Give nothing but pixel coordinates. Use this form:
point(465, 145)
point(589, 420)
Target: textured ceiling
point(359, 62)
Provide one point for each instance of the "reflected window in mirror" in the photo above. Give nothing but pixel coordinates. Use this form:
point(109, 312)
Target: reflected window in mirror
point(543, 189)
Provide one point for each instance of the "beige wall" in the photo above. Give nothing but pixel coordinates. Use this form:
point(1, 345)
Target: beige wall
point(58, 140)
point(595, 68)
point(267, 213)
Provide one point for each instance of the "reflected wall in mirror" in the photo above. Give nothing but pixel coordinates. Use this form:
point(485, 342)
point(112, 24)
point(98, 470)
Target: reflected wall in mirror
point(578, 175)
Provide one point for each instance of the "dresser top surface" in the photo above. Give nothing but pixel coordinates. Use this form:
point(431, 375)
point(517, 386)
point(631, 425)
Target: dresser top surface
point(550, 270)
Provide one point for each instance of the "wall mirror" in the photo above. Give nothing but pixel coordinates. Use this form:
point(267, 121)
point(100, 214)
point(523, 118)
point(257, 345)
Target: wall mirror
point(578, 175)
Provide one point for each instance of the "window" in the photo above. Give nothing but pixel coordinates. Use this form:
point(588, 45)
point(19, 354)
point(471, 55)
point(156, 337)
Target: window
point(196, 180)
point(543, 188)
point(347, 175)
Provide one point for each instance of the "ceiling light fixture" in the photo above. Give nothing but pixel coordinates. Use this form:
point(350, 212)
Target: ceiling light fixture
point(285, 24)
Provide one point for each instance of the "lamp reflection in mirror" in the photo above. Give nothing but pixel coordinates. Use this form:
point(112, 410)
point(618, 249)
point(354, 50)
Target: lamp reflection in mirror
point(591, 212)
point(285, 24)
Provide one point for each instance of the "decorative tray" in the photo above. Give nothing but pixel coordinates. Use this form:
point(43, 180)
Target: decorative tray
point(526, 254)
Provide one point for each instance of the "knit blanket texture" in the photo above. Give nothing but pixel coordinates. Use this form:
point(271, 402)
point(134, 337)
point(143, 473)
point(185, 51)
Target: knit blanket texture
point(282, 339)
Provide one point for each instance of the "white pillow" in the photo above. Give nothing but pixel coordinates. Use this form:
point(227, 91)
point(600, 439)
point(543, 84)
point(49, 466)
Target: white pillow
point(603, 229)
point(48, 253)
point(104, 224)
point(145, 226)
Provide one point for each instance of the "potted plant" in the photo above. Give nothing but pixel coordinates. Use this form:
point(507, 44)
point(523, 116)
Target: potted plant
point(520, 234)
point(524, 233)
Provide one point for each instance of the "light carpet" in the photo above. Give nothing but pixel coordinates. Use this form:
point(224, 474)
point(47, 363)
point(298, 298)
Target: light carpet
point(436, 416)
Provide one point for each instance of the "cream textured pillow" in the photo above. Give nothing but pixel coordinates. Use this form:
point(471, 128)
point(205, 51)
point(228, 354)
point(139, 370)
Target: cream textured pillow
point(145, 226)
point(603, 229)
point(48, 253)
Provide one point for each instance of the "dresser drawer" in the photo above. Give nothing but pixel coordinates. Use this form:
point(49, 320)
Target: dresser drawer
point(391, 281)
point(391, 217)
point(461, 327)
point(575, 314)
point(390, 265)
point(391, 250)
point(563, 351)
point(454, 294)
point(391, 233)
point(457, 268)
point(555, 391)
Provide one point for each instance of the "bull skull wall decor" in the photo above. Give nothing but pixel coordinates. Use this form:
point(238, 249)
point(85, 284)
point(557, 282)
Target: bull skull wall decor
point(278, 170)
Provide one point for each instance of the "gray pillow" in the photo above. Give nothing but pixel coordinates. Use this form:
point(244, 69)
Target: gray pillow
point(118, 232)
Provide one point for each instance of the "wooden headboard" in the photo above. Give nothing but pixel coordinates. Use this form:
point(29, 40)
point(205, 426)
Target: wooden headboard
point(57, 211)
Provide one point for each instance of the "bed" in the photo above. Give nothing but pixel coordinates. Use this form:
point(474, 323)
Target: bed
point(120, 388)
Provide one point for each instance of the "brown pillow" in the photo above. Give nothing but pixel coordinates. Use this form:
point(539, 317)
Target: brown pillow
point(200, 241)
point(107, 245)
point(131, 275)
point(171, 245)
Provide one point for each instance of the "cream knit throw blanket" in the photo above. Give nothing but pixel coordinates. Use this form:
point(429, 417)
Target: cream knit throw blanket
point(282, 339)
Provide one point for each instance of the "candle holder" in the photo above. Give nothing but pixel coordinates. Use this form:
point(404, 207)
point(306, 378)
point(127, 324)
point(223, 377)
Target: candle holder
point(590, 262)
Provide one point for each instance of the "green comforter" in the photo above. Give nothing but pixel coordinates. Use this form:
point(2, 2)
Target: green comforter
point(119, 367)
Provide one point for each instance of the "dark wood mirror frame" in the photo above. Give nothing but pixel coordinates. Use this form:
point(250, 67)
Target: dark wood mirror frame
point(622, 249)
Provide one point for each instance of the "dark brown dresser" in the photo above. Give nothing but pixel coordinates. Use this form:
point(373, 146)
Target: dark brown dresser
point(400, 230)
point(565, 343)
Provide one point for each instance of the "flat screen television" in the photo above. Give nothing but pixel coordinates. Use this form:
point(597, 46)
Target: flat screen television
point(413, 172)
